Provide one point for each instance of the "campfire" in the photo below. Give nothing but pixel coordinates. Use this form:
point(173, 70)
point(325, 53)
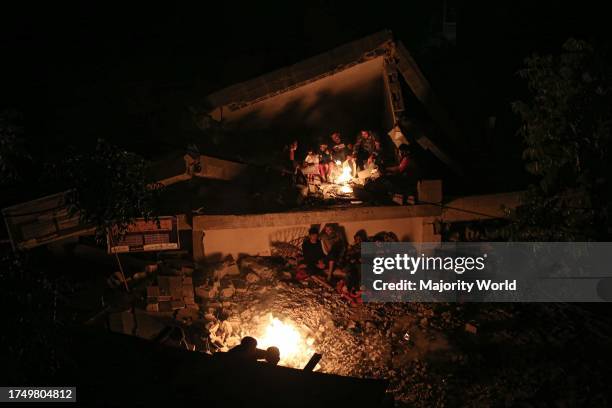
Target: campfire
point(343, 178)
point(293, 344)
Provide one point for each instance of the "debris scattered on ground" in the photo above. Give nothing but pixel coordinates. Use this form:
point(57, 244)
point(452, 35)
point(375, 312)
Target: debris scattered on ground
point(423, 349)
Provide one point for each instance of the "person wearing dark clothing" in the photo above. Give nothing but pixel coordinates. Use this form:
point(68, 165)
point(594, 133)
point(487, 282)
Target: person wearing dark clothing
point(342, 153)
point(272, 355)
point(312, 251)
point(402, 177)
point(352, 261)
point(366, 148)
point(334, 248)
point(245, 351)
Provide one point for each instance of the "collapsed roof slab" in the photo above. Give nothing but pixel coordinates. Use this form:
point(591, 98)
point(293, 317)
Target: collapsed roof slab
point(306, 71)
point(347, 101)
point(341, 90)
point(346, 89)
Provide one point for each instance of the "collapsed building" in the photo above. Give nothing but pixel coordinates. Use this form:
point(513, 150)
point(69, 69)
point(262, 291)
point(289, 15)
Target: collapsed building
point(371, 83)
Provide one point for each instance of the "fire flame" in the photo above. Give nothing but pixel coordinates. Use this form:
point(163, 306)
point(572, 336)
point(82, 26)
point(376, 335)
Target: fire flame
point(345, 176)
point(294, 348)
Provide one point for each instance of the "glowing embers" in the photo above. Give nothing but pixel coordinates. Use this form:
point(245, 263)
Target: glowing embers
point(346, 189)
point(345, 175)
point(294, 346)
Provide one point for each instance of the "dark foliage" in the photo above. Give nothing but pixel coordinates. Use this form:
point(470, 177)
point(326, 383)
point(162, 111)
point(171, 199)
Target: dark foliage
point(110, 185)
point(566, 130)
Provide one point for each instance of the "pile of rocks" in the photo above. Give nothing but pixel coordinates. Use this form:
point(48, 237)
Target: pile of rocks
point(375, 340)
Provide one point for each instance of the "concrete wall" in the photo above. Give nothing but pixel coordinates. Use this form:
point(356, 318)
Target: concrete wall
point(349, 100)
point(265, 234)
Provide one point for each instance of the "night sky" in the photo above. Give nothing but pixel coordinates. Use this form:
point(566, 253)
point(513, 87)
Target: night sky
point(130, 73)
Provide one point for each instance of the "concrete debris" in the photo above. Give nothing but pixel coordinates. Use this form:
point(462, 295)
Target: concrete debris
point(470, 328)
point(252, 277)
point(227, 292)
point(226, 268)
point(258, 265)
point(362, 342)
point(207, 292)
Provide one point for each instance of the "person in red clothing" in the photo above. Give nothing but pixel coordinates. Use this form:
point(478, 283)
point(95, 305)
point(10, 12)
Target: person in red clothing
point(402, 167)
point(402, 178)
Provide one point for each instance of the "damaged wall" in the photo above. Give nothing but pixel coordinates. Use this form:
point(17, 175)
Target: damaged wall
point(348, 101)
point(262, 234)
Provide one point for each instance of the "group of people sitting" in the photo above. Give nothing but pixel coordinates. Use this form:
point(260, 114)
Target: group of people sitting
point(365, 153)
point(337, 153)
point(327, 255)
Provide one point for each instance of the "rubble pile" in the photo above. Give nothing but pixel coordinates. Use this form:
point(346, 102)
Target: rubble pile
point(373, 341)
point(432, 354)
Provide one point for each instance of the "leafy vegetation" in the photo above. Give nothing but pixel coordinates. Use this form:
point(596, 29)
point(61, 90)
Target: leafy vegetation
point(566, 129)
point(110, 185)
